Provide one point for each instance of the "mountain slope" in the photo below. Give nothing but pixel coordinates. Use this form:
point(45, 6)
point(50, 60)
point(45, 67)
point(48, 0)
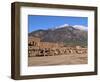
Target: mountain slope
point(69, 35)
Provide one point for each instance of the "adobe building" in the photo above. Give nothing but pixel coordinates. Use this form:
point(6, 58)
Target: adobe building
point(38, 48)
point(33, 41)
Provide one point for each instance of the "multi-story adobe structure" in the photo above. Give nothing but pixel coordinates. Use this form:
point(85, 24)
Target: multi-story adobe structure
point(38, 48)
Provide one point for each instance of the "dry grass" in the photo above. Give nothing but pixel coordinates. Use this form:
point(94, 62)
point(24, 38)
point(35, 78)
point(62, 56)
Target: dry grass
point(58, 60)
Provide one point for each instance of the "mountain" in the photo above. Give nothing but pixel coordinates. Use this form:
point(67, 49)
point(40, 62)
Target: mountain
point(69, 35)
point(80, 27)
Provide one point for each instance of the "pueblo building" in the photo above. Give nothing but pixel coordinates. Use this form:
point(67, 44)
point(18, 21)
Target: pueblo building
point(38, 48)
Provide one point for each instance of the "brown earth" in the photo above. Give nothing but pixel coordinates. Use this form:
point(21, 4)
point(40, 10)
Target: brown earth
point(58, 60)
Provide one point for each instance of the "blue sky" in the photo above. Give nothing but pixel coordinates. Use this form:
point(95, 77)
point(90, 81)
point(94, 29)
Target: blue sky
point(36, 22)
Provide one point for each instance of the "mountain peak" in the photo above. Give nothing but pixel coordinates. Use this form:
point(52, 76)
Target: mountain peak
point(64, 25)
point(80, 27)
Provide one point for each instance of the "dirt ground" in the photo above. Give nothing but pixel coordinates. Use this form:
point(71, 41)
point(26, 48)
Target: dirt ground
point(58, 60)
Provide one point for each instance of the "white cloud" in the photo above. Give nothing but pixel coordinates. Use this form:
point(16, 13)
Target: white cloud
point(81, 27)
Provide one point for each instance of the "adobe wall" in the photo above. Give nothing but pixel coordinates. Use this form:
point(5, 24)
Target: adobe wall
point(37, 48)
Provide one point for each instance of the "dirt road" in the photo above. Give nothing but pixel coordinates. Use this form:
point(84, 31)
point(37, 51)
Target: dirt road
point(58, 60)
